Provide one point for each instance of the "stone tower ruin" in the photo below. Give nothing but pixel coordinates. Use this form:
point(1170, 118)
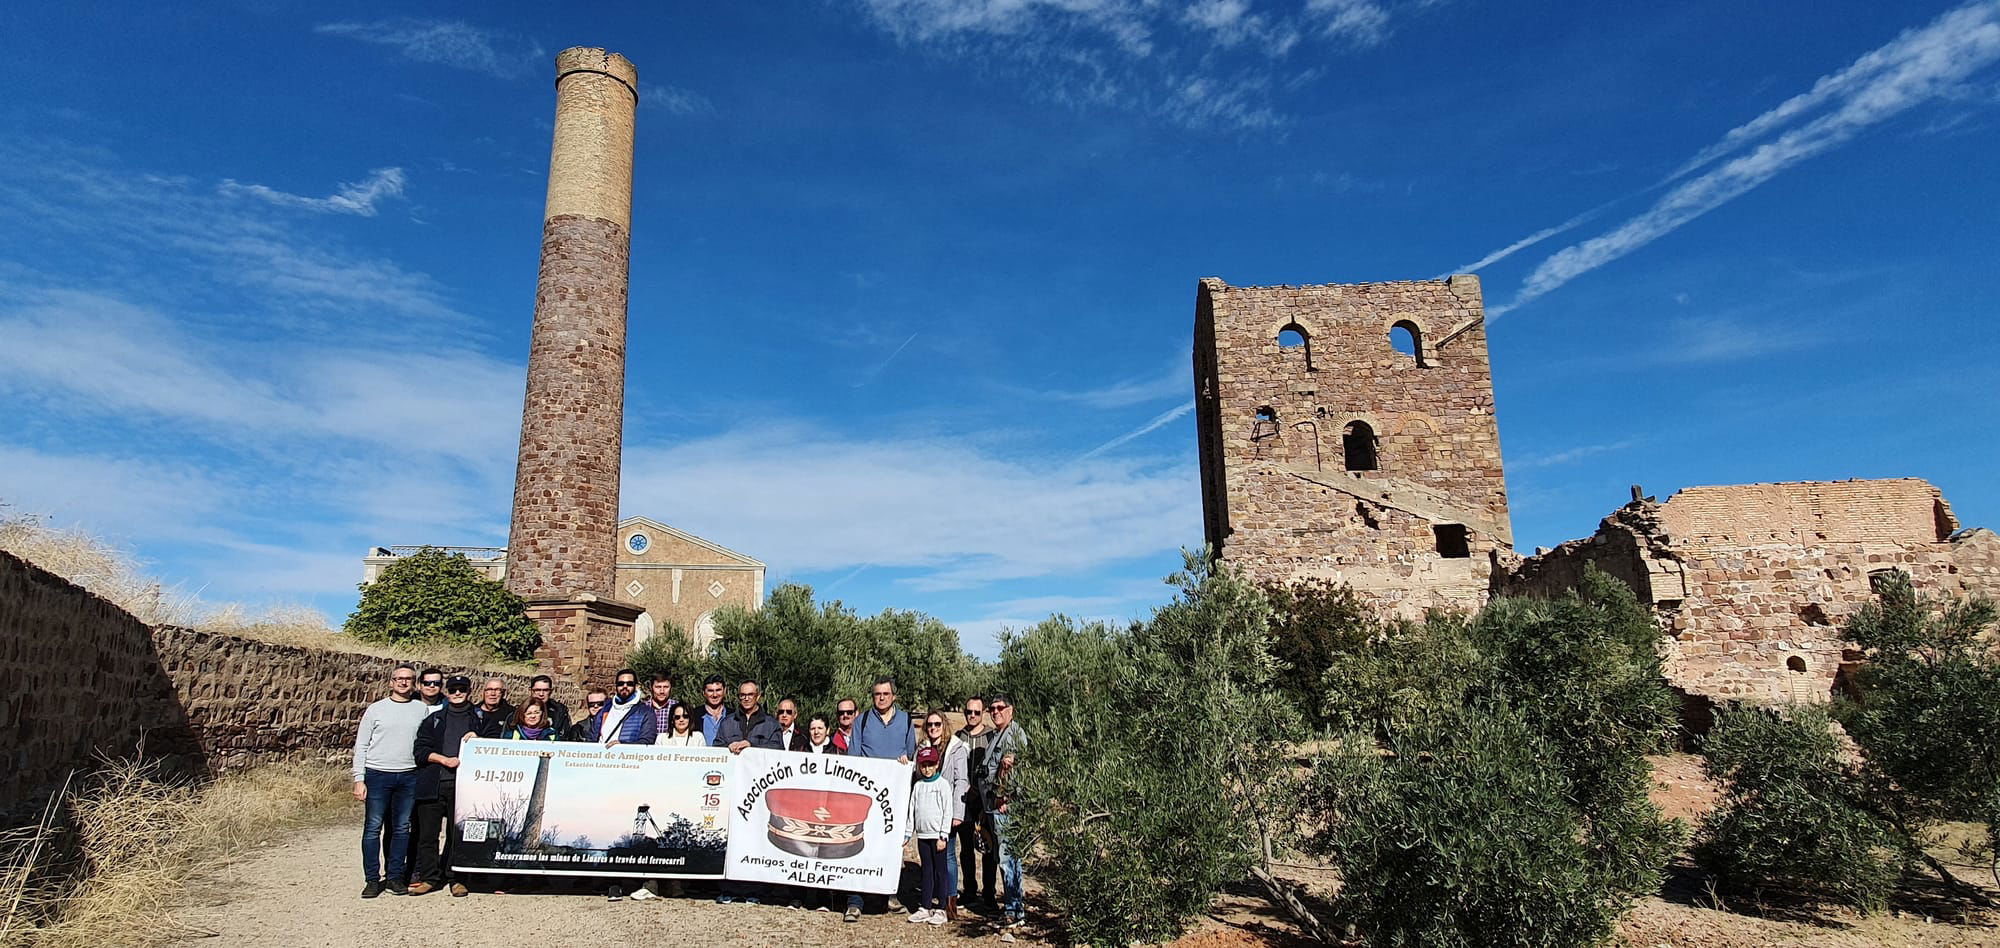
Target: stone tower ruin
point(1328, 453)
point(561, 547)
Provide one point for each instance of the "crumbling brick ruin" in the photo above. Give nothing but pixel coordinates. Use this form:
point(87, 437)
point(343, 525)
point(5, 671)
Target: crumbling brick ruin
point(1753, 583)
point(1326, 452)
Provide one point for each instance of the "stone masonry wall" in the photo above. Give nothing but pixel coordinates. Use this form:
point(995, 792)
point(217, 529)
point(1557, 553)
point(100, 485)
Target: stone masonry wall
point(1279, 499)
point(80, 678)
point(1754, 583)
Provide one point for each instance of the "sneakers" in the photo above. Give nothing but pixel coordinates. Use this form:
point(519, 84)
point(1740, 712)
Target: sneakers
point(396, 888)
point(920, 915)
point(724, 899)
point(613, 894)
point(853, 915)
point(641, 894)
point(421, 888)
point(937, 917)
point(371, 890)
point(459, 891)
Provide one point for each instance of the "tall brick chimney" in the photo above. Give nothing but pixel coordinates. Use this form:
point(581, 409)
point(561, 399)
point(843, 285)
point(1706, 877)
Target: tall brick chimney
point(562, 546)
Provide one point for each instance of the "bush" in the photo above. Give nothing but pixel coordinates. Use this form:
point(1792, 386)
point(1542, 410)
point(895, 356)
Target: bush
point(1462, 834)
point(1314, 623)
point(818, 653)
point(431, 596)
point(1792, 815)
point(1579, 676)
point(1153, 753)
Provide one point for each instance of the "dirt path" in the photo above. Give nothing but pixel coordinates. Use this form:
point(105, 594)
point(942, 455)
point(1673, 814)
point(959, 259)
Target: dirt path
point(303, 892)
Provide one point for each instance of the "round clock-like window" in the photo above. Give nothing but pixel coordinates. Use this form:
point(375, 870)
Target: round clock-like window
point(638, 542)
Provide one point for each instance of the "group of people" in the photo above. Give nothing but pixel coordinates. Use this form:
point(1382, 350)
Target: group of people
point(406, 757)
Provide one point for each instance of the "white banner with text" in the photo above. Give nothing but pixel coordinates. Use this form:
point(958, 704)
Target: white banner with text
point(817, 820)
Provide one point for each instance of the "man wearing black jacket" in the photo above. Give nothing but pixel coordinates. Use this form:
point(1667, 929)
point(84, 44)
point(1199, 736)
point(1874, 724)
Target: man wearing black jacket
point(747, 726)
point(542, 688)
point(581, 729)
point(436, 752)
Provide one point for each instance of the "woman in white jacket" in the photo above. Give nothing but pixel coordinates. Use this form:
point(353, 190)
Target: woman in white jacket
point(956, 770)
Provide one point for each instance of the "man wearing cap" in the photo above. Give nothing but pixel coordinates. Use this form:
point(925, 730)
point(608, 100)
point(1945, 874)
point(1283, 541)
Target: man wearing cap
point(1008, 742)
point(385, 778)
point(436, 749)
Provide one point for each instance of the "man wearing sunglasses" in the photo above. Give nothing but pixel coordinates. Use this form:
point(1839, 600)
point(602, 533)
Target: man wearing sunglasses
point(843, 732)
point(439, 738)
point(430, 689)
point(976, 735)
point(1001, 754)
point(385, 778)
point(594, 701)
point(791, 736)
point(625, 719)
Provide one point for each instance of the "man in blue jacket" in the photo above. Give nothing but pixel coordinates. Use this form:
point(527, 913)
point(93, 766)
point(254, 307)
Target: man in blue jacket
point(884, 733)
point(625, 719)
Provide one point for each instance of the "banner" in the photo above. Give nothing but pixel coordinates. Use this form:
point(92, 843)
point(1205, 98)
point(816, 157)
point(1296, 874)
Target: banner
point(587, 809)
point(818, 820)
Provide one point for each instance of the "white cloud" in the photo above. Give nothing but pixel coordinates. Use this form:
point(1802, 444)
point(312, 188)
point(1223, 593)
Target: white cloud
point(674, 100)
point(1176, 381)
point(1916, 67)
point(1569, 456)
point(1154, 424)
point(1211, 64)
point(352, 197)
point(451, 43)
point(808, 500)
point(1361, 22)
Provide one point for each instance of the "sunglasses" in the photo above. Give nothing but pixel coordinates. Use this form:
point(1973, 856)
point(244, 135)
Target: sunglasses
point(593, 704)
point(460, 691)
point(1001, 707)
point(937, 724)
point(973, 714)
point(786, 711)
point(847, 714)
point(432, 683)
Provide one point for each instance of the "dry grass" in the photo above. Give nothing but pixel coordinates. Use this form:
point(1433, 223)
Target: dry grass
point(116, 575)
point(132, 842)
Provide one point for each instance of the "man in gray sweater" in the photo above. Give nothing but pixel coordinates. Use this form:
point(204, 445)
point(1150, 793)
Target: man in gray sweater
point(385, 778)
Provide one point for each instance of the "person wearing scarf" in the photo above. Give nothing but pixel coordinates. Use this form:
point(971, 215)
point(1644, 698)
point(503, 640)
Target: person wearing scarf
point(531, 723)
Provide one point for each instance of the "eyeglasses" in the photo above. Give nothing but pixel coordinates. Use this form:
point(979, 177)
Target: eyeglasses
point(847, 712)
point(746, 694)
point(594, 704)
point(787, 711)
point(1000, 707)
point(935, 724)
point(628, 684)
point(432, 683)
point(677, 716)
point(459, 691)
point(970, 713)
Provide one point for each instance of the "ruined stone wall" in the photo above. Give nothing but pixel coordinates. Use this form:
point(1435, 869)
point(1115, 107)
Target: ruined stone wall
point(82, 678)
point(1754, 583)
point(1282, 497)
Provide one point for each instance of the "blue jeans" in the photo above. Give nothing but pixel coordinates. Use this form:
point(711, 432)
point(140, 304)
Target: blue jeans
point(391, 797)
point(951, 865)
point(1010, 869)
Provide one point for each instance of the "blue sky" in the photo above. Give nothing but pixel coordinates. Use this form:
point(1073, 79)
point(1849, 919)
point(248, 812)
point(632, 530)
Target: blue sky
point(913, 280)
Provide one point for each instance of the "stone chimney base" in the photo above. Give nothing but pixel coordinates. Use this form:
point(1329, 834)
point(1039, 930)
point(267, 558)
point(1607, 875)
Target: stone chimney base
point(584, 638)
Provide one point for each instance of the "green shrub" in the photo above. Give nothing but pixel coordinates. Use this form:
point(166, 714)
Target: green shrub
point(1793, 816)
point(1580, 677)
point(1460, 833)
point(818, 653)
point(431, 596)
point(1153, 750)
point(1314, 623)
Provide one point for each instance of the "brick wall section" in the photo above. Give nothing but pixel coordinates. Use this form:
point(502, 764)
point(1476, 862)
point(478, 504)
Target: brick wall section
point(84, 678)
point(1278, 499)
point(565, 525)
point(1753, 583)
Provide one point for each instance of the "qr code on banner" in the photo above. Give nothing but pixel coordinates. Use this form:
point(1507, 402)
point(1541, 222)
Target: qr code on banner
point(474, 831)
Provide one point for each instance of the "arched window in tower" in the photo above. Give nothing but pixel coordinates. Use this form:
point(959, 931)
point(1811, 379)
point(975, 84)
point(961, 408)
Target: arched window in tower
point(1294, 343)
point(1406, 338)
point(1357, 442)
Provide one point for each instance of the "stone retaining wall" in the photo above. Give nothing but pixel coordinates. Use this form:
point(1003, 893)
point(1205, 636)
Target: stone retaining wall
point(81, 678)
